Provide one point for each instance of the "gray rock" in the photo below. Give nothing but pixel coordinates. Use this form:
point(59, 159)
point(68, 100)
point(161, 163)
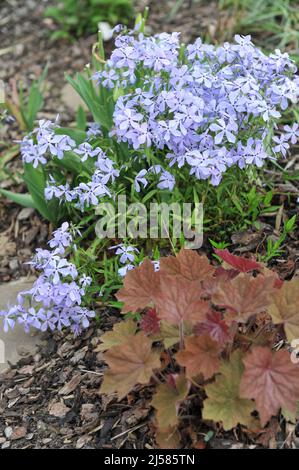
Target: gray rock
point(25, 213)
point(16, 341)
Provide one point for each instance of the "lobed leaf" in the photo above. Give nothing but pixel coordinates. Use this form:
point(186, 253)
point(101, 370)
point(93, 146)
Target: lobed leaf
point(215, 326)
point(167, 400)
point(200, 356)
point(130, 364)
point(141, 286)
point(119, 335)
point(180, 300)
point(189, 265)
point(272, 380)
point(224, 402)
point(244, 296)
point(285, 308)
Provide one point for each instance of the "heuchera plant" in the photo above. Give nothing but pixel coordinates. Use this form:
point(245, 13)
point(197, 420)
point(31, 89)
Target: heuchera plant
point(206, 334)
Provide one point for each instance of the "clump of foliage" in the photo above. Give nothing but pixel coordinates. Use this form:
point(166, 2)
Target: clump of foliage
point(80, 17)
point(206, 334)
point(163, 113)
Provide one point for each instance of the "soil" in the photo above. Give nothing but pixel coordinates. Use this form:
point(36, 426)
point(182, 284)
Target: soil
point(51, 399)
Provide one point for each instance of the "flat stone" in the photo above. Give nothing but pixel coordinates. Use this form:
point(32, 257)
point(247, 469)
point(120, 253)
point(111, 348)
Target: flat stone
point(25, 213)
point(14, 343)
point(71, 98)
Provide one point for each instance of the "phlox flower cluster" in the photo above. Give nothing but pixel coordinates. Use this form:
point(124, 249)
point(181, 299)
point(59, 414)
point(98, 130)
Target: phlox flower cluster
point(206, 107)
point(44, 143)
point(56, 298)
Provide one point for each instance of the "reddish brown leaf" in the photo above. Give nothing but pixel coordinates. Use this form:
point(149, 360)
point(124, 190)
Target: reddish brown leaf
point(237, 262)
point(200, 356)
point(214, 326)
point(189, 265)
point(150, 322)
point(244, 296)
point(170, 265)
point(195, 267)
point(225, 274)
point(285, 308)
point(179, 300)
point(167, 400)
point(140, 287)
point(130, 364)
point(272, 380)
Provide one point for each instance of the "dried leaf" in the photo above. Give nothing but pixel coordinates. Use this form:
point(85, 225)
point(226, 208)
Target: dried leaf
point(244, 296)
point(237, 262)
point(285, 308)
point(167, 400)
point(130, 364)
point(180, 300)
point(224, 403)
point(200, 356)
point(118, 336)
point(140, 287)
point(272, 380)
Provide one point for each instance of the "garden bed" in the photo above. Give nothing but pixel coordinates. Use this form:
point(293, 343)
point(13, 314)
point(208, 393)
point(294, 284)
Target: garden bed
point(52, 399)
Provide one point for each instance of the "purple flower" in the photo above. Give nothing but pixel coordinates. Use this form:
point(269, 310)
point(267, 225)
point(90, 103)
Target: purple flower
point(223, 129)
point(292, 133)
point(126, 253)
point(85, 281)
point(84, 150)
point(124, 269)
point(282, 145)
point(94, 130)
point(140, 179)
point(166, 181)
point(61, 238)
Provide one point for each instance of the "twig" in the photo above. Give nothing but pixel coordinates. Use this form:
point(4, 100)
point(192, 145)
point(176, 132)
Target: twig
point(128, 431)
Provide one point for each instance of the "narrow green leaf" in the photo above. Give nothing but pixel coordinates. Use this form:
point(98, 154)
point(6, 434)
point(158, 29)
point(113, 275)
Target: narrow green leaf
point(36, 183)
point(24, 200)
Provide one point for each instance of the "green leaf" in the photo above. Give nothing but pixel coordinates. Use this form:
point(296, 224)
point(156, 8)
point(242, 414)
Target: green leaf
point(167, 400)
point(290, 224)
point(98, 105)
point(24, 200)
point(78, 135)
point(81, 119)
point(224, 403)
point(36, 183)
point(70, 161)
